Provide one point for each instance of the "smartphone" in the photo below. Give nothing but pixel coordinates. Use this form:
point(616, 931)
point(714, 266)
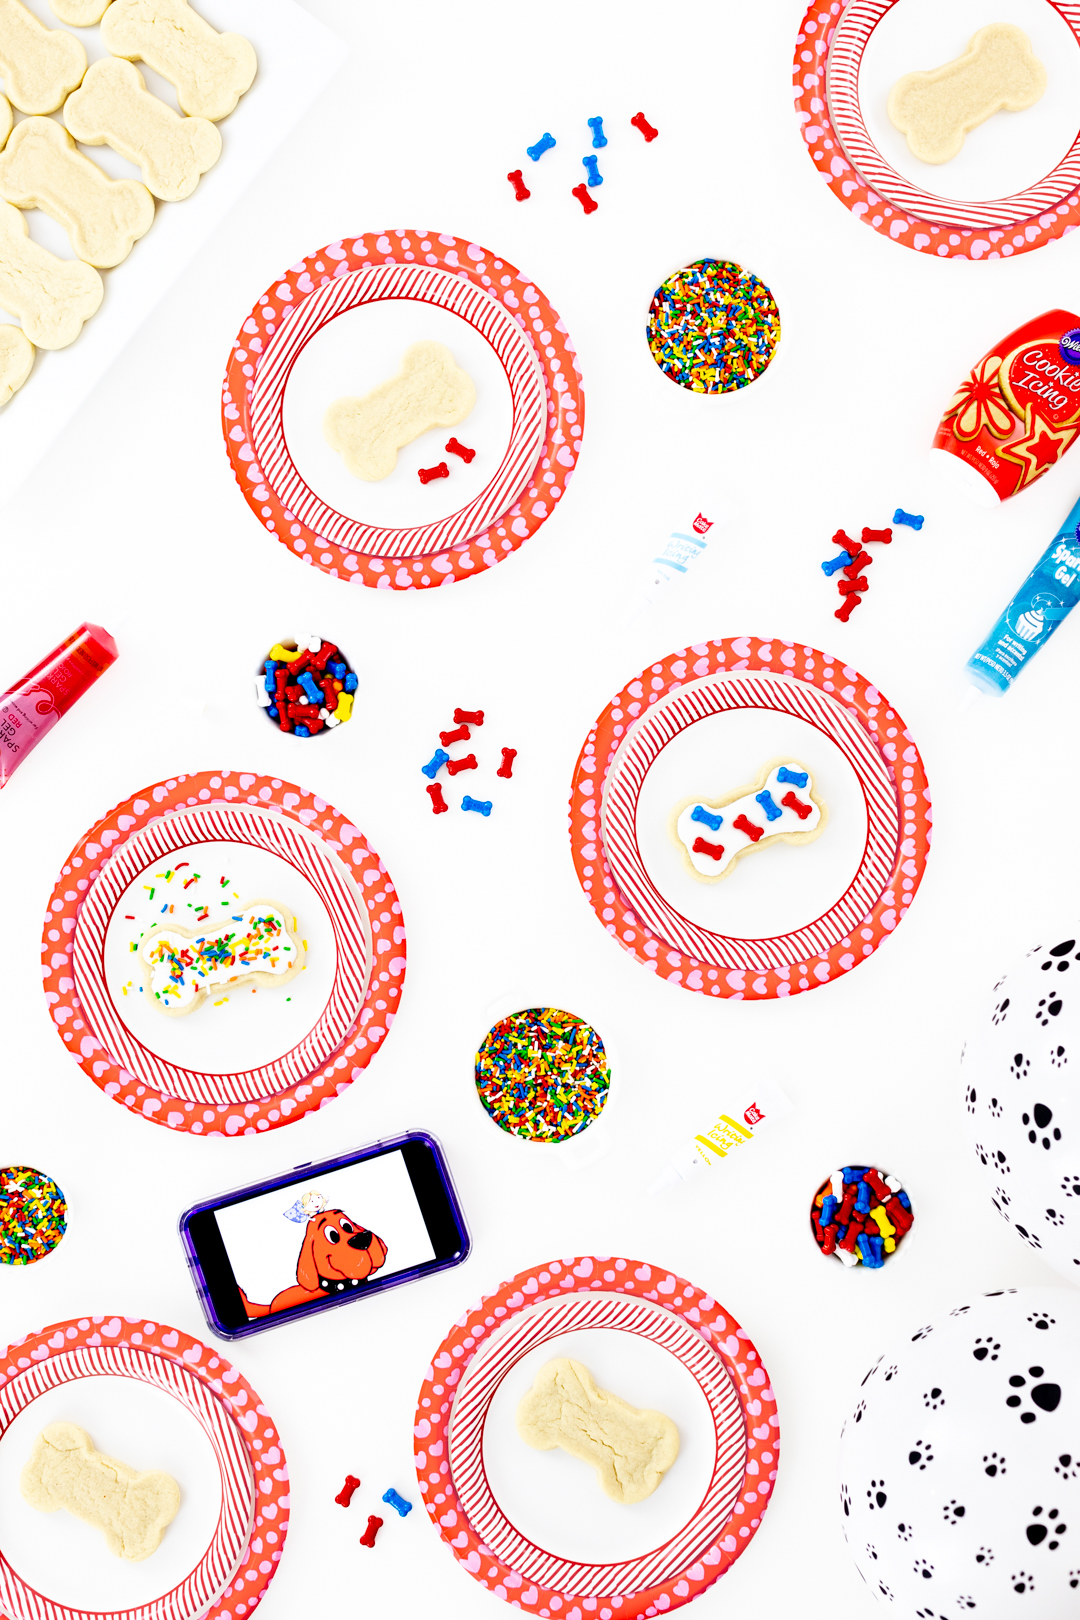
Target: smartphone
point(323, 1234)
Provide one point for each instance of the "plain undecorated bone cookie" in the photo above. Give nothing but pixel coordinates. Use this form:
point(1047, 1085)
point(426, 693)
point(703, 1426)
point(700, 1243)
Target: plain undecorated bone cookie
point(41, 167)
point(631, 1450)
point(52, 297)
point(79, 13)
point(131, 1509)
point(113, 107)
point(7, 118)
point(429, 391)
point(211, 71)
point(39, 65)
point(999, 72)
point(16, 361)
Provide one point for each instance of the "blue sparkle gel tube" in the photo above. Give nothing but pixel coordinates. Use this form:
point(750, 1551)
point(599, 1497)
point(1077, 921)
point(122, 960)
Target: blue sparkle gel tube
point(1047, 596)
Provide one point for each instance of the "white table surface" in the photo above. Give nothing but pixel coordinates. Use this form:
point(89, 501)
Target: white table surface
point(136, 506)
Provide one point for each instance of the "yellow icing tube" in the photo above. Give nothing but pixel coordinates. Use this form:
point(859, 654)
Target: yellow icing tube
point(732, 1129)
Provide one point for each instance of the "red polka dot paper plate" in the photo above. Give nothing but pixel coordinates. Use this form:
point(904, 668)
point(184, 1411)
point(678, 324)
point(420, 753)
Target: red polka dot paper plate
point(888, 825)
point(531, 1526)
point(263, 1063)
point(218, 1566)
point(829, 52)
point(528, 466)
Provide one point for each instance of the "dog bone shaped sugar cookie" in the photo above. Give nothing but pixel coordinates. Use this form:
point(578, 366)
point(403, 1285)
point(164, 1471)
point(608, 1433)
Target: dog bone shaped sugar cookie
point(16, 361)
point(39, 65)
point(131, 1509)
point(712, 835)
point(7, 118)
point(79, 13)
point(429, 391)
point(211, 71)
point(631, 1450)
point(999, 72)
point(113, 107)
point(41, 167)
point(52, 297)
point(252, 944)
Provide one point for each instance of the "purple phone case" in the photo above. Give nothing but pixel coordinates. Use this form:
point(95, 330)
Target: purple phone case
point(260, 1324)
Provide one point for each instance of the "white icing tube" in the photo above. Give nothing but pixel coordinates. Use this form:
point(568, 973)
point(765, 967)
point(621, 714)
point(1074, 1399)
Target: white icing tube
point(732, 1129)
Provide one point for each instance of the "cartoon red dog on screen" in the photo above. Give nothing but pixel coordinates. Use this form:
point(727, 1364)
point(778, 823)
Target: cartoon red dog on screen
point(336, 1255)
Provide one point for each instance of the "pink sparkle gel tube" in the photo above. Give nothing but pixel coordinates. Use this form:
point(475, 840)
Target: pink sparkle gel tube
point(32, 707)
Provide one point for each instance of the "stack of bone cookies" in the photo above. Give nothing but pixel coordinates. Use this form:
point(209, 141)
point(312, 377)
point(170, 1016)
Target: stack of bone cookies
point(44, 70)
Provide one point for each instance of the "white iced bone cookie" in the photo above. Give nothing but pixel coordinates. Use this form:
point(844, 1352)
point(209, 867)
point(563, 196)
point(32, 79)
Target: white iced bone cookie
point(999, 72)
point(38, 65)
point(16, 361)
point(252, 945)
point(713, 834)
point(41, 167)
point(131, 1509)
point(52, 297)
point(211, 71)
point(113, 107)
point(429, 391)
point(631, 1450)
point(79, 13)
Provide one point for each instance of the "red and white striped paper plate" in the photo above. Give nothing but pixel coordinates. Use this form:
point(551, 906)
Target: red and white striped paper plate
point(424, 284)
point(240, 824)
point(617, 1314)
point(849, 41)
point(717, 694)
point(565, 1296)
point(224, 1406)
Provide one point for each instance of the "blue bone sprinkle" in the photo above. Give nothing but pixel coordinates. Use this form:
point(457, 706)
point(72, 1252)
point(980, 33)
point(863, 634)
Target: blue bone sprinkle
point(849, 1173)
point(435, 763)
point(350, 683)
point(799, 779)
point(910, 518)
point(591, 163)
point(301, 731)
point(598, 137)
point(862, 1243)
point(765, 799)
point(877, 1244)
point(337, 669)
point(392, 1499)
point(835, 563)
point(272, 711)
point(862, 1199)
point(904, 1199)
point(483, 805)
point(699, 813)
point(828, 1208)
point(544, 144)
point(307, 681)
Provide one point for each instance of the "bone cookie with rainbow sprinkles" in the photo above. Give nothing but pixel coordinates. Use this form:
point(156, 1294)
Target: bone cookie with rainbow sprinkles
point(254, 945)
point(713, 834)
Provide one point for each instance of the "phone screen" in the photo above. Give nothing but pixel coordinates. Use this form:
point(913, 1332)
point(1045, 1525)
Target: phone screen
point(328, 1233)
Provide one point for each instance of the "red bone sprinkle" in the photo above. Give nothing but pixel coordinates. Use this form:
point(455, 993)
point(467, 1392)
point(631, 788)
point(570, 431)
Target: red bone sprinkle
point(844, 541)
point(883, 537)
point(846, 586)
point(329, 692)
point(374, 1525)
point(861, 559)
point(320, 659)
point(716, 851)
point(507, 767)
point(582, 194)
point(468, 717)
point(876, 1185)
point(800, 809)
point(521, 190)
point(640, 121)
point(461, 450)
point(900, 1217)
point(447, 738)
point(426, 474)
point(847, 1242)
point(850, 604)
point(746, 826)
point(345, 1495)
point(828, 1240)
point(438, 803)
point(453, 766)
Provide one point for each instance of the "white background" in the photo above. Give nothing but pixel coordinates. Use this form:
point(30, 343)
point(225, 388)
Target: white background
point(137, 503)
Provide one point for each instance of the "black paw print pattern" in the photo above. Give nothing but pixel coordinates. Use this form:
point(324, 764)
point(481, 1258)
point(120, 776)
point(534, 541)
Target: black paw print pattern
point(1040, 1319)
point(1071, 1185)
point(891, 1372)
point(1058, 957)
point(984, 1348)
point(953, 1511)
point(1055, 1217)
point(993, 1465)
point(875, 1496)
point(920, 1455)
point(1001, 1012)
point(922, 1333)
point(1001, 1202)
point(921, 1567)
point(1045, 1530)
point(970, 1099)
point(1048, 1008)
point(904, 1532)
point(1022, 1582)
point(858, 1412)
point(871, 1552)
point(960, 1310)
point(1040, 1121)
point(885, 1592)
point(1019, 1066)
point(964, 1602)
point(1029, 1237)
point(1001, 1164)
point(1067, 1466)
point(985, 1556)
point(933, 1398)
point(1045, 1396)
point(995, 1108)
point(845, 1500)
point(1059, 1057)
point(1074, 1578)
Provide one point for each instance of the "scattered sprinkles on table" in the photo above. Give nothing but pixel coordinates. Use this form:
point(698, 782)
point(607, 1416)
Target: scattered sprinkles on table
point(542, 1074)
point(861, 1216)
point(713, 327)
point(306, 687)
point(33, 1215)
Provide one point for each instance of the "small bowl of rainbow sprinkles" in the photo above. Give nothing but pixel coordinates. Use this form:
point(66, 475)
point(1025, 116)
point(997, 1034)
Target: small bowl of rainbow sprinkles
point(307, 687)
point(543, 1075)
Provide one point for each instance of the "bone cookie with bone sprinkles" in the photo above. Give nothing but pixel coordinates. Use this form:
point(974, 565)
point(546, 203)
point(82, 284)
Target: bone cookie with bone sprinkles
point(712, 835)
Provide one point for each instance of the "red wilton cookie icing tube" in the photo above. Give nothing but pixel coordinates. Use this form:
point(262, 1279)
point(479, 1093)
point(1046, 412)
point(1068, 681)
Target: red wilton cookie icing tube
point(32, 707)
point(1017, 413)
